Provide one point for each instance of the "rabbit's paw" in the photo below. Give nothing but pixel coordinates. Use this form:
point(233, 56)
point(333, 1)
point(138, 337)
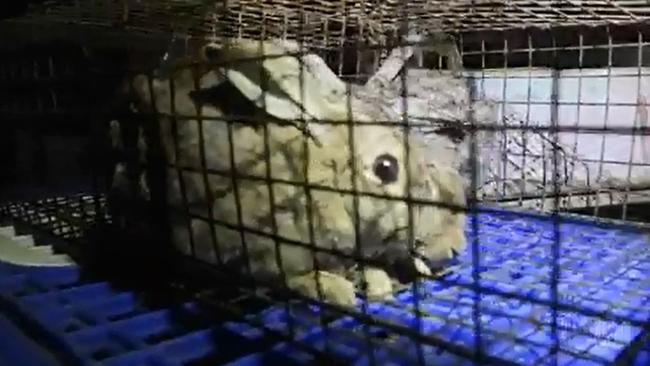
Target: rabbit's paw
point(335, 289)
point(376, 284)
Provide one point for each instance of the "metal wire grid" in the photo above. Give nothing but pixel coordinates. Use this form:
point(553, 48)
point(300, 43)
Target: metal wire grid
point(65, 217)
point(475, 260)
point(312, 19)
point(47, 123)
point(554, 114)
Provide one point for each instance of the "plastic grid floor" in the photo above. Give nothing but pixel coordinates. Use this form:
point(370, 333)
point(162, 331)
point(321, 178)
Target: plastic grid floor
point(600, 269)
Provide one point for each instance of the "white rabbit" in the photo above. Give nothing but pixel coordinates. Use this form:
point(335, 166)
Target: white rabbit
point(289, 107)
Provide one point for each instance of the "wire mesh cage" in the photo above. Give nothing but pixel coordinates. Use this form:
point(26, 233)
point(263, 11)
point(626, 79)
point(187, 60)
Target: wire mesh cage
point(441, 182)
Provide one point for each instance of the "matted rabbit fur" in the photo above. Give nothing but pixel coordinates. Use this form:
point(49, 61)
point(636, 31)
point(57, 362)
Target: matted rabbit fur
point(285, 103)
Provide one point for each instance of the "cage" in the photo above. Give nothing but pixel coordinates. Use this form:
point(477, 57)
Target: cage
point(534, 111)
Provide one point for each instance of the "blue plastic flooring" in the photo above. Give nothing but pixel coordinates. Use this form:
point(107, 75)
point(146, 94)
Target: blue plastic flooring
point(601, 269)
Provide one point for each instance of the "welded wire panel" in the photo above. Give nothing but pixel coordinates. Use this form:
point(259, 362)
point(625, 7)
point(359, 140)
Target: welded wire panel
point(66, 216)
point(598, 103)
point(596, 112)
point(48, 112)
point(317, 19)
point(520, 290)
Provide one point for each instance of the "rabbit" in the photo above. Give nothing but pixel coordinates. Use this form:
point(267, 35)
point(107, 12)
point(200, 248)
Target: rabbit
point(268, 93)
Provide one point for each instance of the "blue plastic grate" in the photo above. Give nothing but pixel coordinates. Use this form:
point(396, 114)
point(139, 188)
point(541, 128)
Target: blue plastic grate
point(601, 269)
point(102, 326)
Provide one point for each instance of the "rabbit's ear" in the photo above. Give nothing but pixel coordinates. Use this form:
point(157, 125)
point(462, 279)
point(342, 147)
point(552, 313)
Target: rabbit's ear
point(296, 86)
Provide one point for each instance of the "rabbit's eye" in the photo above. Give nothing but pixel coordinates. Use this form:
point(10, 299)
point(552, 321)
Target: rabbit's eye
point(386, 168)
